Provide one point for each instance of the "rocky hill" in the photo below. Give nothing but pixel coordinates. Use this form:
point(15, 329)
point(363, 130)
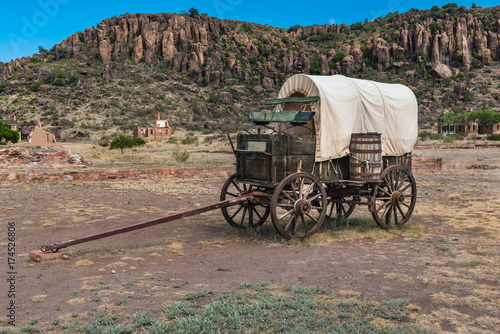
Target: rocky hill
point(203, 73)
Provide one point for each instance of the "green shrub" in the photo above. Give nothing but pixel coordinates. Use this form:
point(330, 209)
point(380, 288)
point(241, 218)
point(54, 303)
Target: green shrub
point(213, 98)
point(58, 82)
point(180, 156)
point(425, 135)
point(189, 140)
point(495, 136)
point(339, 55)
point(36, 86)
point(173, 140)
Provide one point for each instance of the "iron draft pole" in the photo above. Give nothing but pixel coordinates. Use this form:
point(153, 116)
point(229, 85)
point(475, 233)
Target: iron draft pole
point(229, 202)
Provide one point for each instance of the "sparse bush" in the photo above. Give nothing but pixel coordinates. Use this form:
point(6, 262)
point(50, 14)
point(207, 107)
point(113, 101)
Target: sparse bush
point(180, 156)
point(123, 142)
point(495, 136)
point(425, 135)
point(213, 98)
point(189, 140)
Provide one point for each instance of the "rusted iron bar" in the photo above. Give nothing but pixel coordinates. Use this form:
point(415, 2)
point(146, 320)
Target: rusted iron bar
point(229, 202)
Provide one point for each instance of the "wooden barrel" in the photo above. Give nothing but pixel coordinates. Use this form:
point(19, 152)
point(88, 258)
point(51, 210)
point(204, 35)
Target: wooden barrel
point(365, 162)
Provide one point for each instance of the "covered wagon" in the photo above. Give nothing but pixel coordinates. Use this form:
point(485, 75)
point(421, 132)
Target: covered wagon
point(330, 143)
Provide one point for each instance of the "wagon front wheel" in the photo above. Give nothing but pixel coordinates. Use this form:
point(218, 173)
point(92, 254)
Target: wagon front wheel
point(248, 213)
point(298, 206)
point(394, 197)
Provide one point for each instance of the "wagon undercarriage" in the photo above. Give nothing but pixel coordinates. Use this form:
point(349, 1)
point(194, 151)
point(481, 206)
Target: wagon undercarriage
point(300, 203)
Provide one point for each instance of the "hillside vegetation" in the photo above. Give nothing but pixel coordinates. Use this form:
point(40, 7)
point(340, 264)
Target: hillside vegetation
point(206, 74)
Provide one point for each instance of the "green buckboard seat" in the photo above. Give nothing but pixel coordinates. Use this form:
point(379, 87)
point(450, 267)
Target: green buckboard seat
point(286, 116)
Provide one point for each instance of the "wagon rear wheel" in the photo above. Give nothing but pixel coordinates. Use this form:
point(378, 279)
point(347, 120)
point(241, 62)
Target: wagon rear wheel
point(298, 206)
point(394, 197)
point(248, 213)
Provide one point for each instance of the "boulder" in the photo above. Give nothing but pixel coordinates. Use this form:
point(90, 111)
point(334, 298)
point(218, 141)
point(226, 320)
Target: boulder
point(138, 49)
point(441, 71)
point(348, 64)
point(104, 51)
point(225, 97)
point(211, 125)
point(267, 82)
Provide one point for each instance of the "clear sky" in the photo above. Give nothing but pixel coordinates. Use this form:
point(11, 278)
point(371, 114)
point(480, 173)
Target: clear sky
point(27, 24)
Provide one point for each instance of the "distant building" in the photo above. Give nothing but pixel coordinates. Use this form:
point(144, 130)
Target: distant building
point(38, 136)
point(161, 131)
point(472, 128)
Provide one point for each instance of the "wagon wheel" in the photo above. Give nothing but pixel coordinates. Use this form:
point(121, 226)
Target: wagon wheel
point(340, 210)
point(246, 213)
point(298, 206)
point(394, 197)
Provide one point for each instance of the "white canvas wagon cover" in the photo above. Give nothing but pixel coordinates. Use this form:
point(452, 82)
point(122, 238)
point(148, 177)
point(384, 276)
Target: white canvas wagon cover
point(348, 105)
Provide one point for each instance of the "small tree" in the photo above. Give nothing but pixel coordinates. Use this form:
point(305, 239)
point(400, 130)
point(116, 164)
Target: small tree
point(7, 134)
point(193, 11)
point(121, 142)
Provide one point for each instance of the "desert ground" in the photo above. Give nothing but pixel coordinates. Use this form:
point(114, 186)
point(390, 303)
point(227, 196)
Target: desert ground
point(445, 263)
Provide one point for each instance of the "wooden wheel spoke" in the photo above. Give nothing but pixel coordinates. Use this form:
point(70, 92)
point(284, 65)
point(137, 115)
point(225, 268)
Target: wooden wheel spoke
point(304, 223)
point(406, 187)
point(400, 211)
point(243, 216)
point(313, 198)
point(257, 213)
point(236, 186)
point(314, 219)
point(295, 197)
point(342, 210)
point(308, 190)
point(234, 195)
point(288, 196)
point(292, 218)
point(385, 204)
point(286, 214)
point(301, 188)
point(384, 191)
point(387, 210)
point(395, 214)
point(405, 205)
point(237, 211)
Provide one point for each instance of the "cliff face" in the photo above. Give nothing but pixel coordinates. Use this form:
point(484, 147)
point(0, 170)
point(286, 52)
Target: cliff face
point(186, 43)
point(207, 51)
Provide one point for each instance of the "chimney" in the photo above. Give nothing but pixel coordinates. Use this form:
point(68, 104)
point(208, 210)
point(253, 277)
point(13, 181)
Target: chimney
point(15, 118)
point(158, 116)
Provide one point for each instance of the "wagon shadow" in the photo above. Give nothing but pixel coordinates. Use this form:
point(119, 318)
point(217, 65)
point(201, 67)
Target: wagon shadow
point(333, 229)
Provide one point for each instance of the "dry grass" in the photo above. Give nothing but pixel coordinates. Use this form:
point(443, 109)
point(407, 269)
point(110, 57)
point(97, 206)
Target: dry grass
point(38, 298)
point(83, 263)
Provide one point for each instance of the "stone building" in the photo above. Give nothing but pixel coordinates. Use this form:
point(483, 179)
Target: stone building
point(38, 136)
point(161, 131)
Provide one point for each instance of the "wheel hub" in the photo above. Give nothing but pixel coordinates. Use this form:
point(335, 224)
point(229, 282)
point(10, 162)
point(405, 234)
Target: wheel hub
point(302, 206)
point(397, 198)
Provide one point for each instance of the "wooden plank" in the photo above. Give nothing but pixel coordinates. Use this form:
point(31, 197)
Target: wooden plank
point(299, 99)
point(286, 116)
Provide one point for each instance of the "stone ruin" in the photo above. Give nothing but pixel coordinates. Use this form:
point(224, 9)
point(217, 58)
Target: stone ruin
point(17, 158)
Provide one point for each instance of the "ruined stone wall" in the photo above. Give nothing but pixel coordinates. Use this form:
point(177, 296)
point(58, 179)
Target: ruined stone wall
point(17, 158)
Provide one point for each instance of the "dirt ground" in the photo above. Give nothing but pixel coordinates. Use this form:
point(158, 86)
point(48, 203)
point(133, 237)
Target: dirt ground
point(445, 261)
